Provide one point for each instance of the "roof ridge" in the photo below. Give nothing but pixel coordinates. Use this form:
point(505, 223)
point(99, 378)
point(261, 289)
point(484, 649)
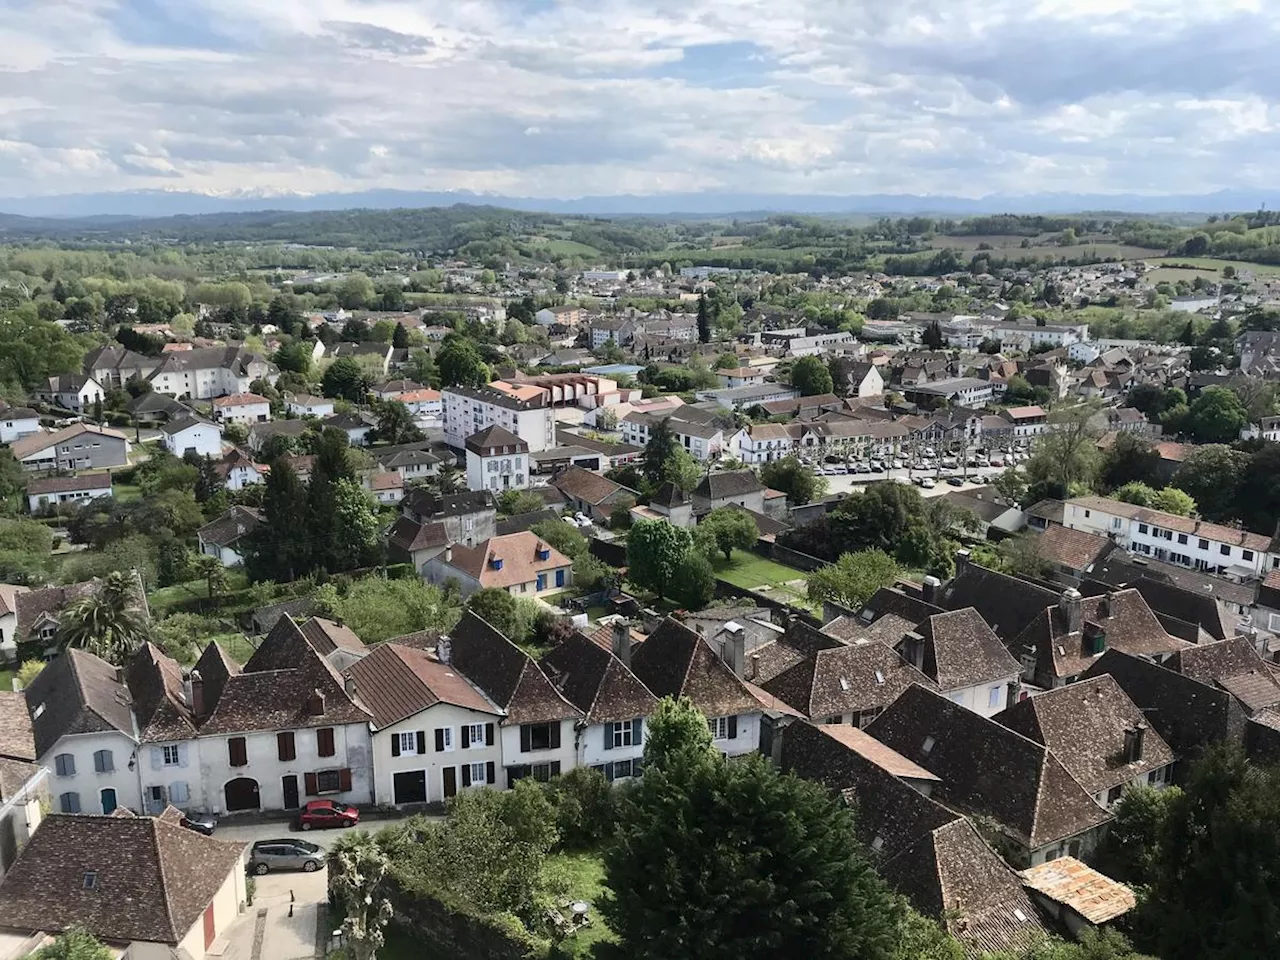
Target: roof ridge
point(169, 912)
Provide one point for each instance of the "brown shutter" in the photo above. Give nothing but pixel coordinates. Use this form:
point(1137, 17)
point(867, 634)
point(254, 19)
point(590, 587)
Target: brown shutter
point(466, 774)
point(491, 772)
point(344, 779)
point(439, 739)
point(555, 735)
point(422, 742)
point(237, 756)
point(324, 742)
point(488, 735)
point(395, 744)
point(285, 747)
point(310, 784)
point(466, 736)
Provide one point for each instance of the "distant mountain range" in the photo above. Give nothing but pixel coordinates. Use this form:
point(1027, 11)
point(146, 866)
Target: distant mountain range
point(158, 203)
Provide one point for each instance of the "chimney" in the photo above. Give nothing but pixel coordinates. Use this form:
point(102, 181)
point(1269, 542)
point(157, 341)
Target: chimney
point(444, 648)
point(1107, 605)
point(733, 649)
point(448, 553)
point(962, 561)
point(197, 695)
point(622, 641)
point(350, 687)
point(753, 670)
point(315, 704)
point(1133, 743)
point(931, 587)
point(1070, 605)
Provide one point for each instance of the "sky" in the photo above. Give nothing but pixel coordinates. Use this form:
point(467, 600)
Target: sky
point(570, 98)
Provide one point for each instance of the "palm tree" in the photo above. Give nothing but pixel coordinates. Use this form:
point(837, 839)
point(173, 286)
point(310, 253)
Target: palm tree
point(107, 623)
point(214, 574)
point(358, 868)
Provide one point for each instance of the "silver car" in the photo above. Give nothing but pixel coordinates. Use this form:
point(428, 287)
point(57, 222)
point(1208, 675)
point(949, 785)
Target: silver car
point(289, 854)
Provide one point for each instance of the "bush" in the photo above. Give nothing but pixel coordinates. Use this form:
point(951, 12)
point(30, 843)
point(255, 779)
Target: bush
point(585, 805)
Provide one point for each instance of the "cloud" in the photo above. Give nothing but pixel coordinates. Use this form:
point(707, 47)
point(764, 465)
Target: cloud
point(579, 97)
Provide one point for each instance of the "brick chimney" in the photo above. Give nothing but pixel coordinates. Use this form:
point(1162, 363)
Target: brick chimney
point(197, 695)
point(622, 641)
point(1071, 607)
point(1134, 739)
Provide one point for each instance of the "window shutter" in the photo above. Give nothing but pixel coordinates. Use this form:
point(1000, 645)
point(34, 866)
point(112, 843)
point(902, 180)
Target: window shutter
point(309, 782)
point(636, 764)
point(555, 768)
point(236, 752)
point(466, 736)
point(733, 728)
point(608, 736)
point(488, 735)
point(608, 772)
point(324, 742)
point(637, 729)
point(182, 754)
point(555, 735)
point(178, 792)
point(285, 748)
point(491, 772)
point(466, 774)
point(439, 740)
point(395, 744)
point(344, 779)
point(157, 758)
point(524, 738)
point(422, 742)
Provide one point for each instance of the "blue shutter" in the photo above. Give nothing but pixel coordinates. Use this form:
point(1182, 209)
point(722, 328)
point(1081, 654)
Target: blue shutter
point(560, 578)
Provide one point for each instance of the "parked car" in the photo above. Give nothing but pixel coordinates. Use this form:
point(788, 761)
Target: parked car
point(319, 814)
point(955, 481)
point(199, 822)
point(583, 519)
point(928, 483)
point(288, 854)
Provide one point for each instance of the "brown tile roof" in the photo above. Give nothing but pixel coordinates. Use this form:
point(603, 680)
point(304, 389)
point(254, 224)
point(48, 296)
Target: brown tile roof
point(988, 769)
point(1171, 521)
point(1084, 726)
point(1234, 665)
point(100, 480)
point(676, 662)
point(507, 675)
point(1007, 603)
point(9, 598)
point(238, 400)
point(14, 775)
point(237, 522)
point(895, 600)
point(1074, 549)
point(1067, 881)
point(495, 441)
point(848, 679)
point(155, 683)
point(799, 643)
point(153, 880)
point(397, 681)
point(77, 693)
point(326, 636)
point(33, 605)
point(735, 483)
point(518, 553)
point(960, 650)
point(871, 749)
point(584, 485)
point(597, 682)
point(17, 741)
point(409, 535)
point(274, 689)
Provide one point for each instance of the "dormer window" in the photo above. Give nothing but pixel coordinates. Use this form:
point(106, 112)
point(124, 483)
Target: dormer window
point(90, 881)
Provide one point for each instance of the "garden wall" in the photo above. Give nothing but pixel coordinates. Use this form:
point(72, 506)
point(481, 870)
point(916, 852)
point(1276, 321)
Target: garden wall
point(448, 931)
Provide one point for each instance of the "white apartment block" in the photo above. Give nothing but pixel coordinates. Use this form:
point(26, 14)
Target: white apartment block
point(467, 411)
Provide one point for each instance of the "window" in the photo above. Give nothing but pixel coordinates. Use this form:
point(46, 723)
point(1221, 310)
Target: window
point(927, 746)
point(90, 881)
point(237, 754)
point(64, 765)
point(286, 748)
point(1204, 544)
point(474, 735)
point(1142, 528)
point(178, 792)
point(993, 697)
point(324, 742)
point(103, 762)
point(1114, 794)
point(478, 772)
point(623, 734)
point(543, 772)
point(444, 739)
point(407, 743)
point(623, 768)
point(69, 803)
point(328, 781)
point(1182, 538)
point(539, 736)
point(1224, 550)
point(1246, 554)
point(723, 728)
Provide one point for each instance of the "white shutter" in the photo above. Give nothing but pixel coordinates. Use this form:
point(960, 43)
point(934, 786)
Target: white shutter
point(182, 754)
point(157, 758)
point(178, 792)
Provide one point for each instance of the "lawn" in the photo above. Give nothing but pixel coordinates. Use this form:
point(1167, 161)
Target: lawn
point(1206, 267)
point(752, 572)
point(6, 679)
point(579, 876)
point(124, 492)
point(165, 599)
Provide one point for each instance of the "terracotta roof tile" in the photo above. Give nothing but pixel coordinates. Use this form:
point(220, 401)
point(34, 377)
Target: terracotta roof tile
point(397, 681)
point(676, 662)
point(597, 682)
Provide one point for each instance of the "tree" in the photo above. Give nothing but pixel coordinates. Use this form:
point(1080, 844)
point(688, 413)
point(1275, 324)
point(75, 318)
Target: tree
point(704, 320)
point(932, 336)
point(1130, 459)
point(448, 478)
point(774, 872)
point(344, 380)
point(1217, 416)
point(655, 551)
point(811, 377)
point(512, 502)
point(359, 868)
point(460, 364)
point(662, 446)
point(213, 573)
point(355, 292)
point(797, 481)
point(1136, 493)
point(106, 623)
point(725, 529)
point(1173, 500)
point(1066, 458)
point(497, 608)
point(355, 528)
point(294, 358)
point(378, 609)
point(852, 579)
point(695, 582)
point(395, 423)
point(29, 670)
point(1258, 495)
point(74, 943)
point(1131, 852)
point(280, 548)
point(1211, 475)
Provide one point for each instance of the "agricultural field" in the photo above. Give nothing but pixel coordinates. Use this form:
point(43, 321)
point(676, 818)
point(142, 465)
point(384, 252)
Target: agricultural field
point(1044, 246)
point(1188, 268)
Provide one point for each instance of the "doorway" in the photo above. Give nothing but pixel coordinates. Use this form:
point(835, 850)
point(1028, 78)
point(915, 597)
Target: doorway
point(209, 928)
point(410, 787)
point(450, 782)
point(242, 794)
point(109, 800)
point(290, 785)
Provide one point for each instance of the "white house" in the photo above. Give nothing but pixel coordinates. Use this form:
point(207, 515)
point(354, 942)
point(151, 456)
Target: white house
point(497, 460)
point(302, 405)
point(355, 427)
point(192, 435)
point(524, 411)
point(45, 493)
point(222, 537)
point(740, 377)
point(425, 403)
point(435, 733)
point(72, 391)
point(541, 730)
point(1182, 540)
point(17, 422)
point(9, 621)
point(520, 563)
point(242, 408)
point(208, 372)
point(1025, 336)
point(239, 470)
point(763, 442)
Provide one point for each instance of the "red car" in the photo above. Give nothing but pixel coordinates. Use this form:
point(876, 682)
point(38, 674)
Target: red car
point(319, 814)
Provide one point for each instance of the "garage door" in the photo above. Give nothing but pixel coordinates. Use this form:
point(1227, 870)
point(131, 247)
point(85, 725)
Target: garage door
point(411, 787)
